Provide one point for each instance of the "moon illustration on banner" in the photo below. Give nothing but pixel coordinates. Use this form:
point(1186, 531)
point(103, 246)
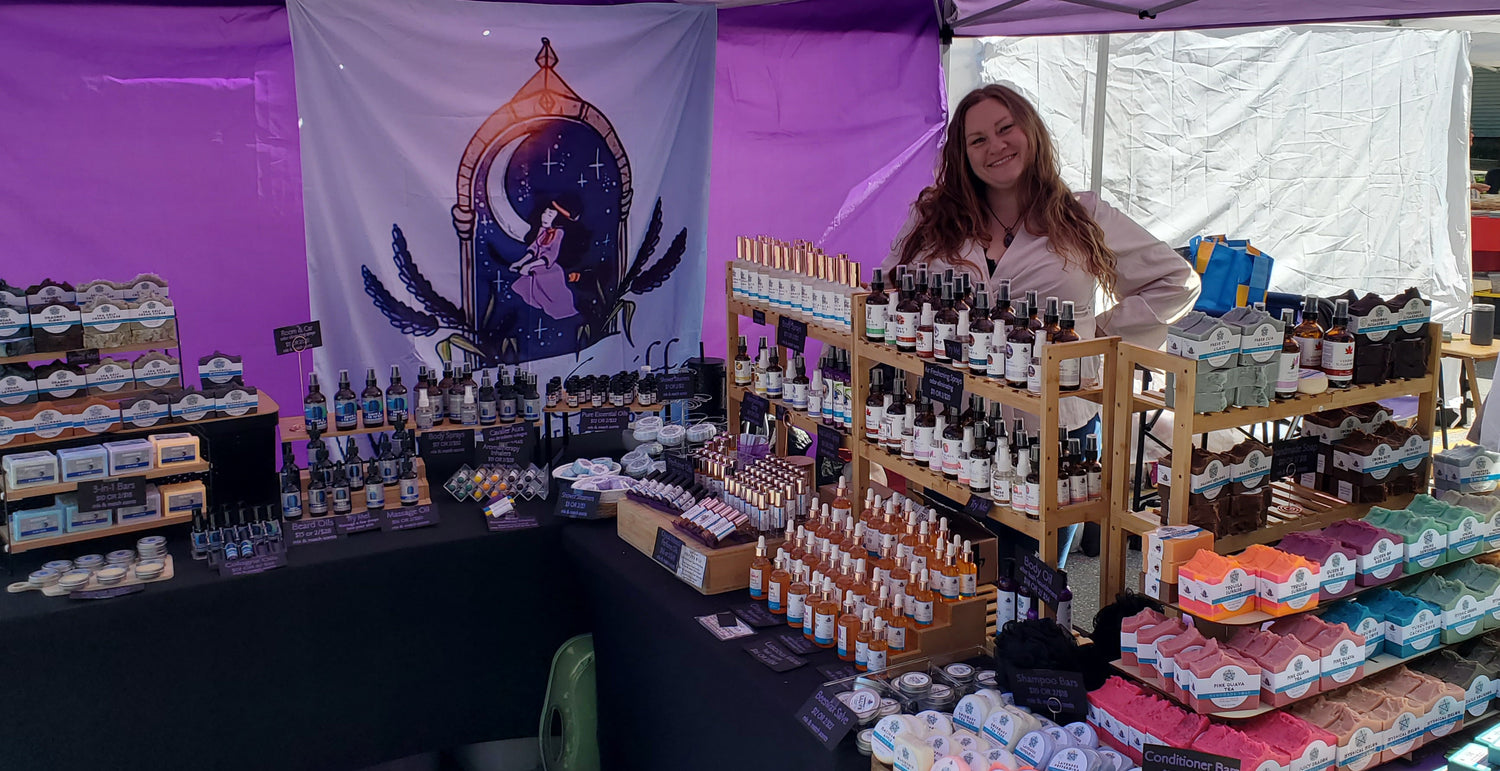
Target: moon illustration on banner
point(509, 220)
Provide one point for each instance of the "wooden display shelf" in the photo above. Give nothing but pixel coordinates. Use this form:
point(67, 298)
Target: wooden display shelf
point(995, 390)
point(797, 418)
point(114, 397)
point(706, 569)
point(1303, 404)
point(294, 428)
point(1062, 516)
point(89, 535)
point(160, 345)
point(563, 409)
point(66, 487)
point(955, 626)
point(357, 497)
point(815, 330)
point(265, 406)
point(1374, 665)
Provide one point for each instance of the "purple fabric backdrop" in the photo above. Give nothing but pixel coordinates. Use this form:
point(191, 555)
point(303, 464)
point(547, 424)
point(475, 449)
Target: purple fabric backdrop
point(165, 140)
point(827, 118)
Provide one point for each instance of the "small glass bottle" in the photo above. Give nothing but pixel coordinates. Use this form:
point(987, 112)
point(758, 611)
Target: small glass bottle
point(968, 573)
point(468, 409)
point(796, 599)
point(489, 408)
point(410, 489)
point(1005, 596)
point(743, 368)
point(842, 508)
point(354, 468)
point(340, 500)
point(1018, 489)
point(777, 584)
point(980, 473)
point(1044, 337)
point(1095, 468)
point(1069, 371)
point(396, 404)
point(875, 310)
point(1034, 485)
point(878, 657)
point(945, 328)
point(863, 638)
point(345, 405)
point(291, 486)
point(424, 411)
point(925, 331)
point(372, 402)
point(531, 400)
point(908, 318)
point(444, 389)
point(825, 617)
point(374, 488)
point(1289, 369)
point(898, 624)
point(1309, 335)
point(875, 406)
point(1064, 615)
point(758, 570)
point(952, 448)
point(1001, 479)
point(1338, 348)
point(948, 581)
point(923, 599)
point(315, 405)
point(981, 335)
point(774, 376)
point(1018, 343)
point(1078, 473)
point(847, 631)
point(317, 494)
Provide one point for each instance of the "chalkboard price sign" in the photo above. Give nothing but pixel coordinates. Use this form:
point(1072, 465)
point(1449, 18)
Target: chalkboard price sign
point(299, 337)
point(503, 444)
point(954, 349)
point(675, 386)
point(578, 504)
point(1049, 691)
point(978, 506)
point(1295, 456)
point(603, 419)
point(111, 493)
point(1159, 757)
point(943, 385)
point(1041, 580)
point(680, 466)
point(447, 444)
point(791, 333)
point(826, 717)
point(667, 551)
point(758, 316)
point(84, 358)
point(753, 409)
point(829, 441)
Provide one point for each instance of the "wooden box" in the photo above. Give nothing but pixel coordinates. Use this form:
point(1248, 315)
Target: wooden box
point(392, 494)
point(955, 626)
point(710, 571)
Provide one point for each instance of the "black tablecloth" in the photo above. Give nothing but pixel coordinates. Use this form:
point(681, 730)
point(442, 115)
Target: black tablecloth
point(671, 695)
point(375, 647)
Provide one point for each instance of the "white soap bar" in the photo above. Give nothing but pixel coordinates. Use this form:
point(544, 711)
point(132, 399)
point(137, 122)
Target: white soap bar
point(1311, 381)
point(971, 712)
point(1035, 749)
point(1083, 735)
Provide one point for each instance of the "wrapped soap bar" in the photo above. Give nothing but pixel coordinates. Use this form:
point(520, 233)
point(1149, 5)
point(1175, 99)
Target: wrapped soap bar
point(1260, 334)
point(221, 369)
point(15, 430)
point(108, 323)
point(156, 320)
point(1359, 620)
point(1215, 587)
point(47, 421)
point(17, 385)
point(97, 289)
point(1372, 363)
point(189, 405)
point(1381, 555)
point(1207, 340)
point(49, 292)
point(1132, 625)
point(146, 410)
point(234, 400)
point(1409, 358)
point(15, 332)
point(60, 380)
point(142, 286)
point(109, 376)
point(1336, 566)
point(13, 297)
point(94, 415)
point(157, 370)
point(57, 327)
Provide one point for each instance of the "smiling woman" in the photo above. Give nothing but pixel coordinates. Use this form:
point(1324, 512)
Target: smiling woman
point(999, 210)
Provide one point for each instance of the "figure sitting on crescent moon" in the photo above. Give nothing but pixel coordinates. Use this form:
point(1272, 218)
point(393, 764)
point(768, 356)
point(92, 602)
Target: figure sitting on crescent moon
point(543, 284)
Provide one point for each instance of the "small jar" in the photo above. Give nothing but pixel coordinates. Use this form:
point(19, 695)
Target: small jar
point(701, 433)
point(862, 741)
point(111, 575)
point(939, 697)
point(985, 678)
point(59, 566)
point(671, 436)
point(120, 557)
point(914, 685)
point(961, 675)
point(43, 577)
point(89, 562)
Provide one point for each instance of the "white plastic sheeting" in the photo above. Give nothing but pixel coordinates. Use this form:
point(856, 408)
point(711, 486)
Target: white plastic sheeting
point(1340, 150)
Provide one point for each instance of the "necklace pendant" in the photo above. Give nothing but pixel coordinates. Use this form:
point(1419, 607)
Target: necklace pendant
point(1009, 237)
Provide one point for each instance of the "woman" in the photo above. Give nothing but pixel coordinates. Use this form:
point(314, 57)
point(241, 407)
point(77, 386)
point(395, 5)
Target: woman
point(542, 283)
point(999, 210)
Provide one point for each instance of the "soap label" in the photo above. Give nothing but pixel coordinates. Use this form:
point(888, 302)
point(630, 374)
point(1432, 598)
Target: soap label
point(62, 384)
point(1227, 687)
point(55, 319)
point(12, 322)
point(12, 429)
point(144, 413)
point(1403, 734)
point(1003, 727)
point(1377, 465)
point(1212, 481)
point(1428, 549)
point(153, 313)
point(1300, 588)
point(50, 423)
point(1481, 692)
point(1336, 573)
point(109, 377)
point(1414, 314)
point(97, 418)
point(105, 317)
point(1467, 537)
point(1464, 616)
point(1376, 324)
point(1219, 347)
point(1420, 633)
point(1318, 756)
point(1480, 474)
point(1300, 675)
point(1444, 716)
point(1253, 469)
point(1382, 560)
point(1346, 662)
point(17, 389)
point(1361, 750)
point(1261, 343)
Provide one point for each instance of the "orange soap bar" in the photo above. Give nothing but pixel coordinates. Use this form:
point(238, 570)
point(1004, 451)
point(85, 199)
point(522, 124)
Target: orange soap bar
point(1167, 548)
point(1285, 583)
point(1215, 587)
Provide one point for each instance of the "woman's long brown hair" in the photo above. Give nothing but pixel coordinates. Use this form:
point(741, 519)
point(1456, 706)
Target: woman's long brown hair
point(952, 211)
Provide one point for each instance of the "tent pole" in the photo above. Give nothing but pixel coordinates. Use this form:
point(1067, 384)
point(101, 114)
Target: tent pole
point(1101, 87)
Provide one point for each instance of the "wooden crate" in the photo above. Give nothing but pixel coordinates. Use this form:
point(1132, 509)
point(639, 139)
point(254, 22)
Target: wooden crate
point(710, 571)
point(955, 626)
point(392, 493)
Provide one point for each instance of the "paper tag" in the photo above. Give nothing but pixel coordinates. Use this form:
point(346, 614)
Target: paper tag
point(737, 629)
point(770, 653)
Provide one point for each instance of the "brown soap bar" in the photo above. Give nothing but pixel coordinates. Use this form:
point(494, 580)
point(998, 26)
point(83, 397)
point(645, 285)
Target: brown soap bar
point(155, 320)
point(57, 327)
point(1372, 363)
point(1409, 358)
point(61, 381)
point(49, 292)
point(17, 385)
point(1206, 516)
point(147, 410)
point(108, 323)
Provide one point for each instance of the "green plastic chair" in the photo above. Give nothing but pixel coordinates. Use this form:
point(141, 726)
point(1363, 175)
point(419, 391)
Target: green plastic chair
point(570, 714)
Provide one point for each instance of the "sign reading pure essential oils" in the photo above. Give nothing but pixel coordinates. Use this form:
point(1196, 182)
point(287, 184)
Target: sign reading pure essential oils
point(299, 337)
point(602, 419)
point(791, 333)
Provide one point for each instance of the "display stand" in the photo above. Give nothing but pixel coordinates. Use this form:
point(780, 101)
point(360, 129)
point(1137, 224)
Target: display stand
point(735, 308)
point(1044, 407)
point(392, 499)
point(707, 569)
point(1318, 508)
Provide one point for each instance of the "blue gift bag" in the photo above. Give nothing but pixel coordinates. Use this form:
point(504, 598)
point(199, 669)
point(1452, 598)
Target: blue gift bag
point(1234, 273)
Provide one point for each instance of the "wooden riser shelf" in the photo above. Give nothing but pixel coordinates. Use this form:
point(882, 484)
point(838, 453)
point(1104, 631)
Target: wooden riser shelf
point(294, 429)
point(159, 345)
point(955, 626)
point(265, 406)
point(990, 388)
point(67, 487)
point(89, 535)
point(800, 419)
point(815, 330)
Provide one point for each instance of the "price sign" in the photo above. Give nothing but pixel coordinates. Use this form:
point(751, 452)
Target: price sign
point(309, 531)
point(298, 337)
point(826, 717)
point(680, 466)
point(829, 441)
point(753, 410)
point(1043, 582)
point(436, 445)
point(1157, 757)
point(1050, 691)
point(503, 444)
point(1291, 457)
point(578, 504)
point(357, 523)
point(111, 493)
point(978, 506)
point(791, 333)
point(943, 385)
point(667, 550)
point(675, 386)
point(758, 316)
point(411, 518)
point(246, 566)
point(603, 419)
point(954, 349)
point(84, 358)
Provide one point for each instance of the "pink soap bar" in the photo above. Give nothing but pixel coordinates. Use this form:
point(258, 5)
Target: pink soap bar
point(1289, 671)
point(1342, 652)
point(1288, 735)
point(1186, 665)
point(1147, 638)
point(1359, 735)
point(1223, 740)
point(1128, 629)
point(1224, 682)
point(1186, 730)
point(1303, 626)
point(1394, 682)
point(1167, 651)
point(1337, 574)
point(1253, 642)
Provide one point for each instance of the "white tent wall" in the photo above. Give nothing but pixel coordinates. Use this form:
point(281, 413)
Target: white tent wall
point(1342, 151)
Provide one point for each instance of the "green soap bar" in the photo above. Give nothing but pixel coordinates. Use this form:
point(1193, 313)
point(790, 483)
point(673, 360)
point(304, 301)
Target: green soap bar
point(1491, 737)
point(1473, 757)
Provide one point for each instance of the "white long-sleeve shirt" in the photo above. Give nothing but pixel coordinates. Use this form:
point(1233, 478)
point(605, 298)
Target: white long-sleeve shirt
point(1154, 284)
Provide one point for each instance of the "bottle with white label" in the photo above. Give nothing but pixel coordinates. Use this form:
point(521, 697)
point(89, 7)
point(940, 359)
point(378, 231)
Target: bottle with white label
point(796, 598)
point(876, 305)
point(760, 566)
point(797, 385)
point(1044, 336)
point(1309, 335)
point(875, 406)
point(762, 363)
point(1289, 368)
point(1338, 348)
point(1018, 345)
point(825, 616)
point(944, 328)
point(908, 317)
point(1095, 468)
point(774, 376)
point(980, 474)
point(891, 303)
point(922, 599)
point(981, 334)
point(1018, 492)
point(1000, 474)
point(743, 368)
point(1033, 508)
point(1069, 371)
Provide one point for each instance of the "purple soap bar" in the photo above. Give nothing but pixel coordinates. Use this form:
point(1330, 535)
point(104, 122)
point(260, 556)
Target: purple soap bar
point(1337, 568)
point(1379, 553)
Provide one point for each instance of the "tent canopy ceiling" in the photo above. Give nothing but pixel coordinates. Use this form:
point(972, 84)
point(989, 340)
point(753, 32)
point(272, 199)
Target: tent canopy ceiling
point(978, 18)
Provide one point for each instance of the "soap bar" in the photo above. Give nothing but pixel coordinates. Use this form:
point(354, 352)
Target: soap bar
point(180, 499)
point(15, 332)
point(152, 509)
point(30, 469)
point(220, 368)
point(1128, 629)
point(1381, 554)
point(1168, 547)
point(1336, 562)
point(157, 370)
point(1214, 587)
point(76, 520)
point(57, 326)
point(48, 421)
point(142, 286)
point(14, 431)
point(60, 380)
point(93, 416)
point(17, 385)
point(146, 410)
point(129, 455)
point(174, 449)
point(155, 320)
point(80, 463)
point(189, 405)
point(234, 400)
point(1285, 583)
point(1289, 671)
point(32, 524)
point(107, 322)
point(109, 376)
